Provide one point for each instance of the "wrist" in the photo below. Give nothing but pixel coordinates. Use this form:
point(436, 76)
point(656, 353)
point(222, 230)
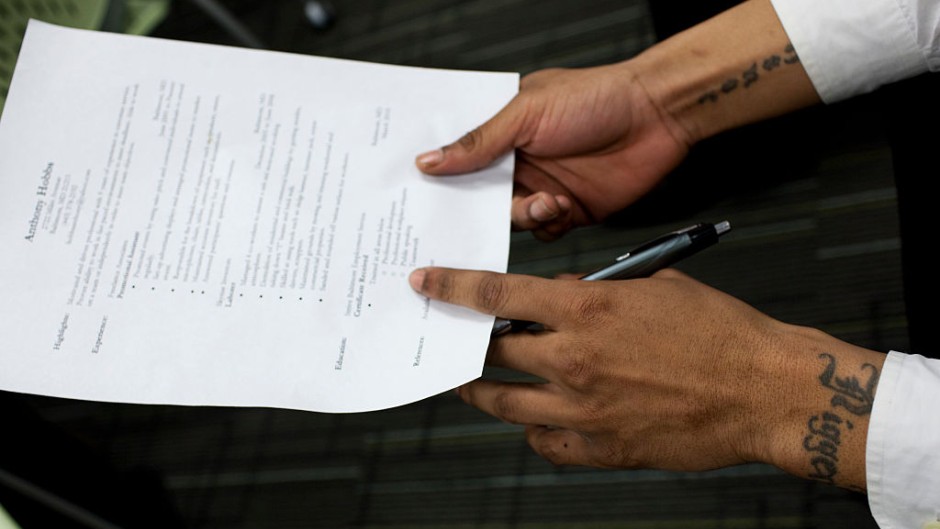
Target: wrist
point(734, 69)
point(813, 414)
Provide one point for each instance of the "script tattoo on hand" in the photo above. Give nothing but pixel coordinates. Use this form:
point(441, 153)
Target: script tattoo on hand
point(825, 429)
point(751, 74)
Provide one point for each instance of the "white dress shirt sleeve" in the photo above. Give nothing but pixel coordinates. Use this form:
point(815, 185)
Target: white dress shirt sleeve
point(903, 451)
point(850, 47)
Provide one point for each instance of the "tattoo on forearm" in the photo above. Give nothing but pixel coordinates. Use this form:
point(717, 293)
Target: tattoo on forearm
point(825, 429)
point(751, 75)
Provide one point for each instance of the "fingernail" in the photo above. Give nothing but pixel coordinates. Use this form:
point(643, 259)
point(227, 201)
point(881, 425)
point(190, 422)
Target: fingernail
point(540, 211)
point(416, 279)
point(431, 158)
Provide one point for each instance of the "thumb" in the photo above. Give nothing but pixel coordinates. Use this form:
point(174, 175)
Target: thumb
point(477, 148)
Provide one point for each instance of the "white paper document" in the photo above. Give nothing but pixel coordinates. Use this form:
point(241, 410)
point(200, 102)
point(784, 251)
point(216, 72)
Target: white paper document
point(192, 224)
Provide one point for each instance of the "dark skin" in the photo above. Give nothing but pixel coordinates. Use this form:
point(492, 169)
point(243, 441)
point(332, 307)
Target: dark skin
point(559, 142)
point(662, 372)
point(729, 385)
point(590, 142)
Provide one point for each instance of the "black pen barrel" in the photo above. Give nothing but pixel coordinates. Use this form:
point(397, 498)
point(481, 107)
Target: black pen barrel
point(646, 262)
point(659, 253)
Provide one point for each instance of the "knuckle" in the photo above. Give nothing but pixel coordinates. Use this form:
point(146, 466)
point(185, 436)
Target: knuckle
point(491, 293)
point(593, 412)
point(591, 308)
point(472, 139)
point(440, 284)
point(505, 407)
point(579, 369)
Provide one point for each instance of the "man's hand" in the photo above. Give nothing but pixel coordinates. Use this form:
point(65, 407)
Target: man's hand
point(666, 373)
point(589, 142)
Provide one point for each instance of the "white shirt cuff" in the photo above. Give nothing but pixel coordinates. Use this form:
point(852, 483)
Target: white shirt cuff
point(902, 467)
point(849, 47)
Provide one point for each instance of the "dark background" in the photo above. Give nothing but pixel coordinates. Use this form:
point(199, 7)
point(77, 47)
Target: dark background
point(816, 241)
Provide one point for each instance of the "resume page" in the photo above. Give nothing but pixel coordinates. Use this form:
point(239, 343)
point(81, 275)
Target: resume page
point(194, 224)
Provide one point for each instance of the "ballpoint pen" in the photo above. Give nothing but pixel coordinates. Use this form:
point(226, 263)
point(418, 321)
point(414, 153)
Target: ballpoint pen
point(643, 261)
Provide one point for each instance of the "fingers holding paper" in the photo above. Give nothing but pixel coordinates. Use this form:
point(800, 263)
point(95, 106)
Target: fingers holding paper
point(588, 143)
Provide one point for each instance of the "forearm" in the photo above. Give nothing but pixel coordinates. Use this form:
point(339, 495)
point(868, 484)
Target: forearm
point(734, 69)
